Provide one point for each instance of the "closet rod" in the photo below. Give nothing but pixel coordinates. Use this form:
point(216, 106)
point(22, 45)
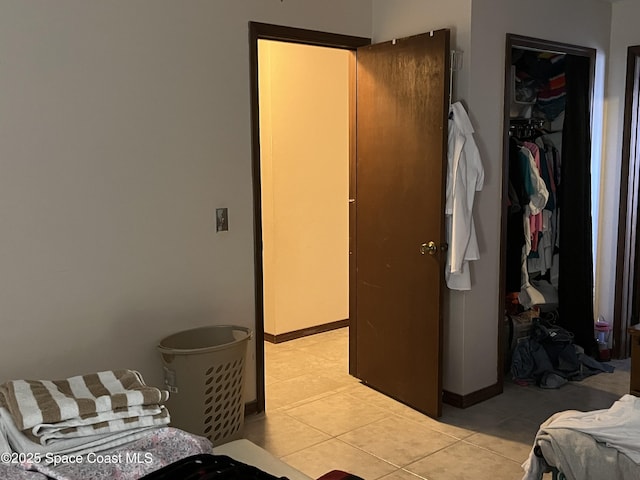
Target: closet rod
point(520, 127)
point(539, 50)
point(527, 121)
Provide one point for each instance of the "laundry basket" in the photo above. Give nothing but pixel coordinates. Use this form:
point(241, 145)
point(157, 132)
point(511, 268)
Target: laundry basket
point(204, 373)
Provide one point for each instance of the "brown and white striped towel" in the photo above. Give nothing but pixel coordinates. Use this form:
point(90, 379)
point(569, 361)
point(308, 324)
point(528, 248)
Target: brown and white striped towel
point(102, 402)
point(70, 446)
point(48, 434)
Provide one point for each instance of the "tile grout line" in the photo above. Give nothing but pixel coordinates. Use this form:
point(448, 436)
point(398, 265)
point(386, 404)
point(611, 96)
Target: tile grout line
point(491, 451)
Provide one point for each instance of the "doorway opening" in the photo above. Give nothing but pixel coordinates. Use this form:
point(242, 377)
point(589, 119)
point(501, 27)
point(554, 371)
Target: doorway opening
point(304, 150)
point(259, 32)
point(627, 297)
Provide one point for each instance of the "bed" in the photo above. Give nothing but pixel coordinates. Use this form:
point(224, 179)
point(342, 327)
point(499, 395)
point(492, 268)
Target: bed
point(164, 447)
point(589, 445)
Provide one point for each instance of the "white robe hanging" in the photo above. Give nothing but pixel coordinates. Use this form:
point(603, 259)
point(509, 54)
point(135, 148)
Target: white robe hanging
point(465, 176)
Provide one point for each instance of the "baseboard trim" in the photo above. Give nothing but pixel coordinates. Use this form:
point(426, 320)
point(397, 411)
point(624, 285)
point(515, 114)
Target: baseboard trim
point(464, 401)
point(304, 332)
point(250, 408)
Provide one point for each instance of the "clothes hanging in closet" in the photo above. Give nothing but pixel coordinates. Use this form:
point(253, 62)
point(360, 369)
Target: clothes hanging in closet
point(531, 224)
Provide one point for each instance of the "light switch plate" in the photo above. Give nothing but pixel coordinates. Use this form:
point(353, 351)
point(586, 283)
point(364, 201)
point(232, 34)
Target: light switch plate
point(222, 220)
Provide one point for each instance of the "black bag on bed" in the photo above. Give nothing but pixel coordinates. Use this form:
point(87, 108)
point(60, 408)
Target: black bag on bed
point(209, 467)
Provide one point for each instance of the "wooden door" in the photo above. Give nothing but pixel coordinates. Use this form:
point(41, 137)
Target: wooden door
point(402, 110)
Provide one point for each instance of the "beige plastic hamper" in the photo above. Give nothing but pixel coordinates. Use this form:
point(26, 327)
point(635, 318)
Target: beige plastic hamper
point(204, 373)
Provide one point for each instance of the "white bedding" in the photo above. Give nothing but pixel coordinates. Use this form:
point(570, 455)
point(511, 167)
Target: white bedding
point(617, 428)
point(579, 457)
point(247, 452)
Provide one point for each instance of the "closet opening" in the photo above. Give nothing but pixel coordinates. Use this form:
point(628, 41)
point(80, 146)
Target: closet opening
point(546, 254)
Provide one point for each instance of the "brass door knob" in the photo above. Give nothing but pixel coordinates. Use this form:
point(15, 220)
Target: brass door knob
point(431, 248)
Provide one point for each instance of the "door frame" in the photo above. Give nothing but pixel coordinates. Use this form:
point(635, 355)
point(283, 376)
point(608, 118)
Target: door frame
point(628, 248)
point(264, 31)
point(530, 43)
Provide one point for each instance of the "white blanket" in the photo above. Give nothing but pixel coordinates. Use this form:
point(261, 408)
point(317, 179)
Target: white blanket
point(4, 444)
point(617, 427)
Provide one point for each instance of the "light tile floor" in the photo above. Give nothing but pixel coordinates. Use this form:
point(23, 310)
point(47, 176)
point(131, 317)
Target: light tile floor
point(319, 418)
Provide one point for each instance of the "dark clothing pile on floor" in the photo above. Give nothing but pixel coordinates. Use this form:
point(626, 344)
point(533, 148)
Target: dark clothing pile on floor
point(549, 358)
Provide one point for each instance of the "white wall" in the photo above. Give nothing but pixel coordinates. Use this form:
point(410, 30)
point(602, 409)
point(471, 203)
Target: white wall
point(124, 125)
point(304, 130)
point(624, 33)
